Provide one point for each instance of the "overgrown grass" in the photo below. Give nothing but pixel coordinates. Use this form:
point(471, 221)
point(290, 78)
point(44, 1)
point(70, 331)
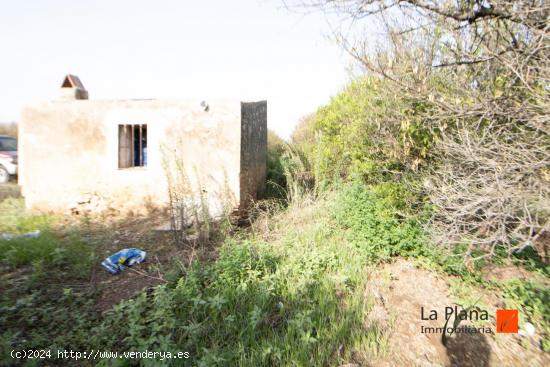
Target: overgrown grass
point(296, 301)
point(45, 300)
point(14, 219)
point(299, 299)
point(43, 247)
point(69, 253)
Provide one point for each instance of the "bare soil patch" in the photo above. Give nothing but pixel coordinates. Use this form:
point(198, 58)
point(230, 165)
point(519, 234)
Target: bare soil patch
point(115, 234)
point(399, 291)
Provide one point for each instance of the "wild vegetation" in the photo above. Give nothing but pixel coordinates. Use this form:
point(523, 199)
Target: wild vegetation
point(437, 154)
point(276, 293)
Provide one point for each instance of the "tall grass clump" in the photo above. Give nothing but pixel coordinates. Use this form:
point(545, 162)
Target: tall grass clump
point(300, 185)
point(188, 204)
point(180, 194)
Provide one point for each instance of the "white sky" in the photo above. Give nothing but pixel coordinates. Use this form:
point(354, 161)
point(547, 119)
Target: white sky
point(244, 49)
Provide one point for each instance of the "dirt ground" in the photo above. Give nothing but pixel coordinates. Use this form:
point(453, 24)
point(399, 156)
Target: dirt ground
point(400, 289)
point(113, 235)
point(111, 232)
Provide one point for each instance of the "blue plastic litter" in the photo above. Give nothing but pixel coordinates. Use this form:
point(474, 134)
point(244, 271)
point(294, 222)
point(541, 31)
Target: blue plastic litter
point(116, 263)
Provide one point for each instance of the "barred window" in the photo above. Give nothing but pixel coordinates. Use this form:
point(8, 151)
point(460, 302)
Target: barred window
point(132, 146)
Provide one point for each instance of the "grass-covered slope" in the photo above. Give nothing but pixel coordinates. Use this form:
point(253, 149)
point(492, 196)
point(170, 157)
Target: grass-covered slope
point(290, 290)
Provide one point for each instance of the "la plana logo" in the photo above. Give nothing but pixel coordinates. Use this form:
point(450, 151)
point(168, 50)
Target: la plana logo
point(507, 321)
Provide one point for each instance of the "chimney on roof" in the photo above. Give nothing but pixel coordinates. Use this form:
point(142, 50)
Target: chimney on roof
point(72, 88)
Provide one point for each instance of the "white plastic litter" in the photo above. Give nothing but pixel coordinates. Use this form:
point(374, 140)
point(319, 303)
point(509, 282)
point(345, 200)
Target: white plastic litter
point(528, 330)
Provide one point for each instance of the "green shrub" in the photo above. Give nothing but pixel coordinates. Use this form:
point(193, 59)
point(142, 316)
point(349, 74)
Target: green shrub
point(276, 180)
point(367, 130)
point(375, 223)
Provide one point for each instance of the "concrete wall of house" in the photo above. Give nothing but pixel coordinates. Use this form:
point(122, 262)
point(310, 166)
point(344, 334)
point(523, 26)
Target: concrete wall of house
point(68, 153)
point(253, 150)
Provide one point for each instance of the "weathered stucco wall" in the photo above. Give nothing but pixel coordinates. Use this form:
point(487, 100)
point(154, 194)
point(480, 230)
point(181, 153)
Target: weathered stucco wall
point(68, 152)
point(253, 150)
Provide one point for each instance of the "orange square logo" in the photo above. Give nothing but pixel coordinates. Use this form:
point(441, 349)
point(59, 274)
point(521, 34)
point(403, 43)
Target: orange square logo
point(507, 321)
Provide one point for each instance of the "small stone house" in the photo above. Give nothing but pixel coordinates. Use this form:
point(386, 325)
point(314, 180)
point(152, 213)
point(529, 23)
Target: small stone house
point(80, 154)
